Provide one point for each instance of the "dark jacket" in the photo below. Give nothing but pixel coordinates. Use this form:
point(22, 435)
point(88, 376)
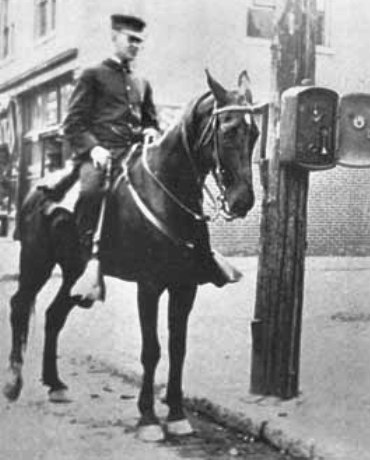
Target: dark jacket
point(110, 107)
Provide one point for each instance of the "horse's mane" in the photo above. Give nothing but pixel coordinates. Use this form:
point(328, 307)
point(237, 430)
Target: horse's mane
point(189, 120)
point(191, 113)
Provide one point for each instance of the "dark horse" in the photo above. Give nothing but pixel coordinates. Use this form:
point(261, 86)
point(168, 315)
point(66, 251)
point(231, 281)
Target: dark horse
point(153, 221)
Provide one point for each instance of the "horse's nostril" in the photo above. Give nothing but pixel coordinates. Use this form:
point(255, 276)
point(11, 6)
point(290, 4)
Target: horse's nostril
point(241, 207)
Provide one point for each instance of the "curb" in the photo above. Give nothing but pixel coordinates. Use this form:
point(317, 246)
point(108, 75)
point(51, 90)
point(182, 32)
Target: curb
point(252, 425)
point(255, 426)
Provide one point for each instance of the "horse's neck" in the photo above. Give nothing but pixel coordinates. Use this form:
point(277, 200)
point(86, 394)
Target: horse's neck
point(177, 162)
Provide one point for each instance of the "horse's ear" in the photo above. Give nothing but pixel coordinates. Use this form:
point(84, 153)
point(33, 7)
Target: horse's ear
point(217, 89)
point(244, 86)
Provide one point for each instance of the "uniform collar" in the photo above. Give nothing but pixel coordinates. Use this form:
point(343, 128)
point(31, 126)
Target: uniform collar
point(115, 63)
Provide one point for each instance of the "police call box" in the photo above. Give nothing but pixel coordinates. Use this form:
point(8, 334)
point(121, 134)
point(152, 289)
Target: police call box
point(353, 143)
point(308, 127)
point(319, 129)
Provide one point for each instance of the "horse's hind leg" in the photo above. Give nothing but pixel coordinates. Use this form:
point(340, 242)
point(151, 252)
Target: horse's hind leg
point(56, 316)
point(68, 255)
point(35, 268)
point(148, 298)
point(181, 299)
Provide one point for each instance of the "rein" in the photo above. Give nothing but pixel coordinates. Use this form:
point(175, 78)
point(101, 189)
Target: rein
point(168, 192)
point(158, 224)
point(208, 133)
point(210, 130)
point(147, 213)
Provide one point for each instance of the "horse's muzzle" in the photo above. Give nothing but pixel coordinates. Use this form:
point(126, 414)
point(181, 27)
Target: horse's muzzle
point(241, 205)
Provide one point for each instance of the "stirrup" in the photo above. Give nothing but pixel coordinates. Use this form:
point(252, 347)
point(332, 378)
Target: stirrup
point(230, 273)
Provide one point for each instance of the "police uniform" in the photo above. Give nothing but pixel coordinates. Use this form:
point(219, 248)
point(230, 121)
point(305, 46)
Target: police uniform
point(110, 107)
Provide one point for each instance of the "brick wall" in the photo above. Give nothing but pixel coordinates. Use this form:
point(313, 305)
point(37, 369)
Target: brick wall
point(338, 217)
point(241, 236)
point(339, 212)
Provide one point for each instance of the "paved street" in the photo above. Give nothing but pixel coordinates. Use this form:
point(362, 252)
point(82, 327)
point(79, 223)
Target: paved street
point(330, 418)
point(100, 422)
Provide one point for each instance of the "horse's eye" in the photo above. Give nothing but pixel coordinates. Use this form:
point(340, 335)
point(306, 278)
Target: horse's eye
point(227, 177)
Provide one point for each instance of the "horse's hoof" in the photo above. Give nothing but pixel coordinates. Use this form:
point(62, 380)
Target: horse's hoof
point(150, 433)
point(13, 387)
point(59, 396)
point(179, 428)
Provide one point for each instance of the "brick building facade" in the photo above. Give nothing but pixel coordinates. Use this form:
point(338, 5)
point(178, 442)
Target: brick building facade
point(44, 44)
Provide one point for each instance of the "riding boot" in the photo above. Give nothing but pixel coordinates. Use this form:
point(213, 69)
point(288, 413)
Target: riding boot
point(86, 214)
point(89, 202)
point(214, 267)
point(90, 286)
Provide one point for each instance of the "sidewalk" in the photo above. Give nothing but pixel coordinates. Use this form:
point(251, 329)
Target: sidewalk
point(329, 420)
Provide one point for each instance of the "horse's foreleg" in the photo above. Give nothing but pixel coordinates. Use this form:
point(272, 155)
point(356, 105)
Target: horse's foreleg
point(181, 299)
point(148, 298)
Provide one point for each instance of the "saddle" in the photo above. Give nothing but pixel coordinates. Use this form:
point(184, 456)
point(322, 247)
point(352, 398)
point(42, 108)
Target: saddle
point(61, 189)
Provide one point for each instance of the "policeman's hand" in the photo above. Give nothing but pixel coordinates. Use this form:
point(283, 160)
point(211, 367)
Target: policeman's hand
point(151, 135)
point(99, 156)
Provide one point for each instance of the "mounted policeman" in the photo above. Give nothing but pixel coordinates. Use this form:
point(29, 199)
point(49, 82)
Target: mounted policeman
point(155, 231)
point(111, 109)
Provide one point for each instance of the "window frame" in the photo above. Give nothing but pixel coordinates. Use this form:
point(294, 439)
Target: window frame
point(45, 18)
point(267, 6)
point(326, 11)
point(270, 5)
point(6, 30)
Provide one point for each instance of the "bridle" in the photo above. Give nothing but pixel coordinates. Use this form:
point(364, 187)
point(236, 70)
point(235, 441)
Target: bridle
point(210, 131)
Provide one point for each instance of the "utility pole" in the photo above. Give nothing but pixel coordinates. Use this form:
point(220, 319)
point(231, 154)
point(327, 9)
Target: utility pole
point(276, 328)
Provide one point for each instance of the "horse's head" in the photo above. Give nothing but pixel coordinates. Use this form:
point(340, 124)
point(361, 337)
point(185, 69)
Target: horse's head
point(231, 132)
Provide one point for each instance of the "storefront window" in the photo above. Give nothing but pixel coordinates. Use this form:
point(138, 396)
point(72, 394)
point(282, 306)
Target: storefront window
point(65, 94)
point(43, 112)
point(8, 160)
point(51, 108)
point(5, 182)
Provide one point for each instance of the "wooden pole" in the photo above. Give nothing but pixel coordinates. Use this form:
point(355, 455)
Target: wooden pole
point(276, 328)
